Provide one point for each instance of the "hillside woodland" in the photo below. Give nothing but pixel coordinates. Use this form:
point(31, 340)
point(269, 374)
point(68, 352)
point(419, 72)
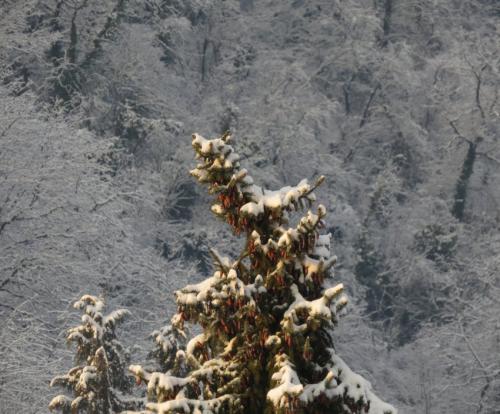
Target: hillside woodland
point(394, 102)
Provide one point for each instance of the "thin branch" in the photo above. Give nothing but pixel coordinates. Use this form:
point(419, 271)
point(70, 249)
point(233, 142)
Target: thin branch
point(470, 142)
point(368, 104)
point(8, 279)
point(481, 365)
point(478, 89)
point(9, 127)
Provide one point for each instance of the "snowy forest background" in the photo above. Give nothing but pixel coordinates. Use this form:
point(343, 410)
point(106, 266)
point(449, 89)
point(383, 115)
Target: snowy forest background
point(395, 102)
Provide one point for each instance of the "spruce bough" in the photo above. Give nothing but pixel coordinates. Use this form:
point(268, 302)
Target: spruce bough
point(266, 344)
point(98, 382)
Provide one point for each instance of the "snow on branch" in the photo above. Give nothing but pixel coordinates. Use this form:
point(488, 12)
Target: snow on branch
point(288, 387)
point(339, 383)
point(315, 311)
point(215, 290)
point(239, 199)
point(188, 406)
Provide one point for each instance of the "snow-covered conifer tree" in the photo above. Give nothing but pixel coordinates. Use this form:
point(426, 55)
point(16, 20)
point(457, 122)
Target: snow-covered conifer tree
point(99, 379)
point(266, 317)
point(169, 341)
